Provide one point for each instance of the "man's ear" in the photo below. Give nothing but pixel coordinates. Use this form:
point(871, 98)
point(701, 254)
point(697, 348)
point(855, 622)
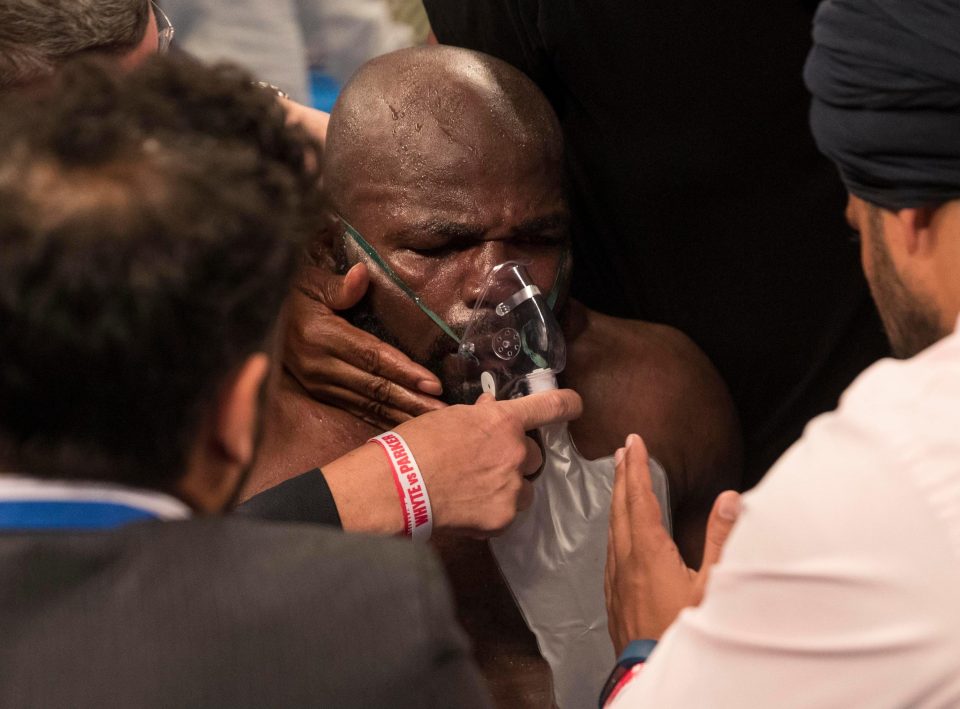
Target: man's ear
point(239, 409)
point(320, 249)
point(226, 440)
point(917, 232)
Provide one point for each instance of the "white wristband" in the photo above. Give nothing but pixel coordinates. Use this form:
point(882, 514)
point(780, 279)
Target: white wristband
point(414, 500)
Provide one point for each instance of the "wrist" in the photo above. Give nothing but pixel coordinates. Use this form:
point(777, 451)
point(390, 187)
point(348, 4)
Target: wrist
point(629, 663)
point(412, 495)
point(363, 488)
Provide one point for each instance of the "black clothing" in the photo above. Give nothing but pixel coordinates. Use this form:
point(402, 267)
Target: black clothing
point(698, 196)
point(885, 79)
point(305, 498)
point(227, 612)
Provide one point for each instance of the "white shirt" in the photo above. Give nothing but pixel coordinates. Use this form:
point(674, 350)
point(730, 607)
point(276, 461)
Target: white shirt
point(840, 584)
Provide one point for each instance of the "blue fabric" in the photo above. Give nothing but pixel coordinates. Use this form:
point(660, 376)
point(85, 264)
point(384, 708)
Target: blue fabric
point(636, 651)
point(324, 90)
point(72, 514)
point(885, 79)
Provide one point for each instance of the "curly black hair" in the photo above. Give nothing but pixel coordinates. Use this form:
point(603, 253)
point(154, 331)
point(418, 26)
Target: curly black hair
point(149, 228)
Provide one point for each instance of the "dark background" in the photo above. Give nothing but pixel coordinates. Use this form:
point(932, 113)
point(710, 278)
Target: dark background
point(699, 198)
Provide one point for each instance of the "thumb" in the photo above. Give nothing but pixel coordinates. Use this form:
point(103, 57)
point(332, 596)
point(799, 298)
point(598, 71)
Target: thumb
point(335, 291)
point(354, 287)
point(726, 510)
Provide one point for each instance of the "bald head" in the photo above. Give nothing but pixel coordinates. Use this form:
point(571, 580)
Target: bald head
point(431, 115)
point(448, 162)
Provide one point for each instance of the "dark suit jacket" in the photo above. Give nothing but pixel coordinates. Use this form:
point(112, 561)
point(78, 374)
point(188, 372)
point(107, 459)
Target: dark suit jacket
point(227, 612)
point(305, 498)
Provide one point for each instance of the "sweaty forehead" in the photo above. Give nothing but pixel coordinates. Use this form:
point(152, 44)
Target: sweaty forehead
point(440, 118)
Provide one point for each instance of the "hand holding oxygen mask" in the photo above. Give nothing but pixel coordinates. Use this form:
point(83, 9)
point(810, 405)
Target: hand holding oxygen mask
point(554, 553)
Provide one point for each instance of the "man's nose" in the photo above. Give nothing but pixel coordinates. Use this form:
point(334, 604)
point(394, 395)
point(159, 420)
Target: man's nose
point(487, 256)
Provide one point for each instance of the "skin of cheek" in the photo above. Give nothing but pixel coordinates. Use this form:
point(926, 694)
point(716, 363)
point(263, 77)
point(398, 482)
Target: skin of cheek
point(866, 245)
point(435, 281)
point(858, 218)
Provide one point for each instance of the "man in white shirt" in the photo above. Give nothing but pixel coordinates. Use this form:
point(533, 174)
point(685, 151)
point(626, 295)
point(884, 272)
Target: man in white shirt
point(839, 584)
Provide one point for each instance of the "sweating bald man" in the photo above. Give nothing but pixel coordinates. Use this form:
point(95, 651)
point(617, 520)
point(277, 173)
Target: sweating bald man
point(448, 163)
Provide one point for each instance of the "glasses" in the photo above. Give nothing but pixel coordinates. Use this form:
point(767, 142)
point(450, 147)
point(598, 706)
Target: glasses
point(165, 29)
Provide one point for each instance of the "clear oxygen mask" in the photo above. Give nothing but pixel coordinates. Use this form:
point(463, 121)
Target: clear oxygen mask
point(513, 344)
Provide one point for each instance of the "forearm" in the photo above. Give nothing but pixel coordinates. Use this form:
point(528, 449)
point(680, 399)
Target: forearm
point(475, 487)
point(305, 498)
point(355, 492)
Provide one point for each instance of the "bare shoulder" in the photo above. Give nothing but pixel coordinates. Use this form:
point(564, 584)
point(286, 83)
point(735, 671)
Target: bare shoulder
point(299, 434)
point(641, 377)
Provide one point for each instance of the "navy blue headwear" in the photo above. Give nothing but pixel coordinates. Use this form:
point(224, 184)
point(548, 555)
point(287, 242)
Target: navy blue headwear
point(885, 79)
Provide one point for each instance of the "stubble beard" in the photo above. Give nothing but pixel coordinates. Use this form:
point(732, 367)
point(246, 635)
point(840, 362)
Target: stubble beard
point(438, 360)
point(911, 321)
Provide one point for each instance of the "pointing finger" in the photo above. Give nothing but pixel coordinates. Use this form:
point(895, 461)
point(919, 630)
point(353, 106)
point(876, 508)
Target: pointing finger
point(544, 408)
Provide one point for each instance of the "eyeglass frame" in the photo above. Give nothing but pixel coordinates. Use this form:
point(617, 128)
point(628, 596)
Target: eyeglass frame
point(164, 34)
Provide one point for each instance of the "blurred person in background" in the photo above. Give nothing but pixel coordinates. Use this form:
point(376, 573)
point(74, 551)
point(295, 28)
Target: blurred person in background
point(414, 14)
point(300, 46)
point(37, 38)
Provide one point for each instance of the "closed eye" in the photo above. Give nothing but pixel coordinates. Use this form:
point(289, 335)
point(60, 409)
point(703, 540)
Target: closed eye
point(435, 251)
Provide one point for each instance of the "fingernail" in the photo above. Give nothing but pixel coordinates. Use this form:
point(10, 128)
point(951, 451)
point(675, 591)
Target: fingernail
point(631, 439)
point(618, 456)
point(353, 269)
point(729, 508)
point(430, 386)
